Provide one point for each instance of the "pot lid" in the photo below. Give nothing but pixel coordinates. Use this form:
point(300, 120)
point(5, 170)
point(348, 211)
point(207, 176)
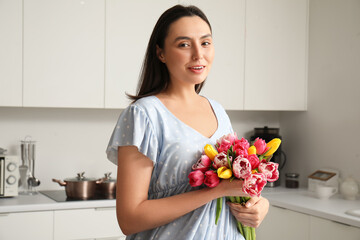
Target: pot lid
point(107, 178)
point(80, 178)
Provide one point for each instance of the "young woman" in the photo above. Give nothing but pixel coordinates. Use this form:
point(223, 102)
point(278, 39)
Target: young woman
point(162, 134)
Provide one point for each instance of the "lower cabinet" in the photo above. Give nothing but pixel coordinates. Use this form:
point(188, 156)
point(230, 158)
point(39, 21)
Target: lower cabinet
point(325, 229)
point(26, 225)
point(76, 224)
point(286, 224)
point(95, 223)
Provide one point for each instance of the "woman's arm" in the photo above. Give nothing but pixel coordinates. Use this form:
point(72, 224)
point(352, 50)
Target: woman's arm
point(136, 213)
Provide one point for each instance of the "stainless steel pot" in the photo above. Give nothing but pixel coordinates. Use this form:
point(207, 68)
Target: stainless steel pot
point(79, 187)
point(106, 187)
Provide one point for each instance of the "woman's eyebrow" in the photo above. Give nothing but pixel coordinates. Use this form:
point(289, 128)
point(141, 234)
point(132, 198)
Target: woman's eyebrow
point(188, 38)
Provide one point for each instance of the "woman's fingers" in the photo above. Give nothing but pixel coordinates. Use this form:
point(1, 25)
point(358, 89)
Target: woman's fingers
point(251, 215)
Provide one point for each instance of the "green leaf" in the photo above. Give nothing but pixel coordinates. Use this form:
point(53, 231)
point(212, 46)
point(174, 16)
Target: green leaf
point(229, 162)
point(219, 202)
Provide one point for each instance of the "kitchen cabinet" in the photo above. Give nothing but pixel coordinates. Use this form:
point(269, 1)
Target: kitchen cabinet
point(276, 55)
point(226, 79)
point(26, 225)
point(281, 223)
point(326, 229)
point(128, 28)
point(261, 53)
point(92, 223)
point(11, 52)
point(88, 53)
point(64, 53)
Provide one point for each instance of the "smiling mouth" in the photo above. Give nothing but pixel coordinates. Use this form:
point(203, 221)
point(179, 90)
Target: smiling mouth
point(198, 67)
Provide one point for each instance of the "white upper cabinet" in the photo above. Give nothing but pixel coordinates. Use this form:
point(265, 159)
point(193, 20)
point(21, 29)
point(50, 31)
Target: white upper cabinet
point(11, 52)
point(64, 50)
point(225, 83)
point(276, 55)
point(128, 28)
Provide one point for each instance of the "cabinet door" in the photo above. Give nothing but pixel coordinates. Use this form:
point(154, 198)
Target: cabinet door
point(128, 28)
point(225, 83)
point(64, 53)
point(326, 229)
point(27, 225)
point(284, 224)
point(276, 55)
point(86, 223)
point(11, 52)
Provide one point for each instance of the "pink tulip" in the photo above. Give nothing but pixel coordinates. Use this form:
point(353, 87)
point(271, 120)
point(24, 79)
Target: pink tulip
point(254, 161)
point(270, 169)
point(254, 184)
point(260, 145)
point(203, 164)
point(211, 179)
point(221, 160)
point(196, 178)
point(241, 147)
point(224, 143)
point(241, 168)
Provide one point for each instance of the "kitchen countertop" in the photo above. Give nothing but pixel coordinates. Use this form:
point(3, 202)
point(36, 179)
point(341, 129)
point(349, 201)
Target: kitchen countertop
point(299, 200)
point(40, 202)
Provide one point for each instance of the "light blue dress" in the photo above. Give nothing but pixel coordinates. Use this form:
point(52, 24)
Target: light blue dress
point(173, 147)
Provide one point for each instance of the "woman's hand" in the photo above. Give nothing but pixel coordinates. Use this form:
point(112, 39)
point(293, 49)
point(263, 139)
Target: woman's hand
point(253, 213)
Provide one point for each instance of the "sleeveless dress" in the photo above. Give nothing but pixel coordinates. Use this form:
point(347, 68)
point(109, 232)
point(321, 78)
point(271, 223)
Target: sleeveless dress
point(173, 147)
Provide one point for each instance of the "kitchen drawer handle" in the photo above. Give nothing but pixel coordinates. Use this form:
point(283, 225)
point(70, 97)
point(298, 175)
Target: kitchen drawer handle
point(104, 208)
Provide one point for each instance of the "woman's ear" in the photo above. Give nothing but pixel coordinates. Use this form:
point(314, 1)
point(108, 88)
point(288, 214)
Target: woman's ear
point(159, 53)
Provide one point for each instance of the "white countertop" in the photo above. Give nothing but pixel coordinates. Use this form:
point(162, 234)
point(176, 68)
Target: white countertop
point(299, 200)
point(303, 201)
point(40, 202)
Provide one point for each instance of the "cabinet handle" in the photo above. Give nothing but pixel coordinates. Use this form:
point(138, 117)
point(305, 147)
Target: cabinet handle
point(4, 214)
point(104, 208)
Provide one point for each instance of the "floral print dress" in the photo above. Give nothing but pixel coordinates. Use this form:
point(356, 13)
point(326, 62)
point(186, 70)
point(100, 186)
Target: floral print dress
point(173, 147)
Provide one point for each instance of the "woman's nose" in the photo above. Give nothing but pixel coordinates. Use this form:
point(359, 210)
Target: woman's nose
point(197, 53)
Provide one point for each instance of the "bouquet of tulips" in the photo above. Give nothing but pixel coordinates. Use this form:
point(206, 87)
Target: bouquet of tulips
point(234, 158)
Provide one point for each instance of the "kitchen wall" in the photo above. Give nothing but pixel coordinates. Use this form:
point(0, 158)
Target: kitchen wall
point(327, 135)
point(74, 140)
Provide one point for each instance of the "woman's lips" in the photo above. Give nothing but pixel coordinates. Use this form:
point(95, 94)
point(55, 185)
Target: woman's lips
point(197, 69)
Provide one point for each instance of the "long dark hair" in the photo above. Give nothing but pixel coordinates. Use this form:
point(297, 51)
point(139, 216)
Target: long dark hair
point(154, 76)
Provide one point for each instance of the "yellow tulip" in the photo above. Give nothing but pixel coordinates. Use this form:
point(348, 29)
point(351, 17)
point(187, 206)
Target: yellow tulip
point(210, 151)
point(273, 146)
point(224, 173)
point(252, 150)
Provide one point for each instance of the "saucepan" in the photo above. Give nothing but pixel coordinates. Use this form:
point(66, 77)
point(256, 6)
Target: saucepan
point(106, 187)
point(80, 187)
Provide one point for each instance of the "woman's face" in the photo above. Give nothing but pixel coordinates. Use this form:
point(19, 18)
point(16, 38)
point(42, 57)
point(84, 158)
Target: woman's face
point(188, 51)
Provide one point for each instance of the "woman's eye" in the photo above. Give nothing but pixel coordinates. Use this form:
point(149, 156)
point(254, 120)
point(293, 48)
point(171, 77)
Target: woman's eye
point(184, 45)
point(206, 43)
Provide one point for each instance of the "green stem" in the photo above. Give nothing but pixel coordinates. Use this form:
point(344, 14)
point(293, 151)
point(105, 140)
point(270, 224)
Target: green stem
point(240, 227)
point(219, 202)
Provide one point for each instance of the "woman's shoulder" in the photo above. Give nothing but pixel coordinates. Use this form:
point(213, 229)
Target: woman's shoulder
point(215, 104)
point(145, 104)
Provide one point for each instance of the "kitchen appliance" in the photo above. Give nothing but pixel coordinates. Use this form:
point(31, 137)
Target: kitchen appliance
point(9, 176)
point(279, 156)
point(324, 176)
point(60, 196)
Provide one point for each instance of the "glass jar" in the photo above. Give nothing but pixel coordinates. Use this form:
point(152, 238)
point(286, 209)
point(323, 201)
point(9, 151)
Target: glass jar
point(292, 180)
